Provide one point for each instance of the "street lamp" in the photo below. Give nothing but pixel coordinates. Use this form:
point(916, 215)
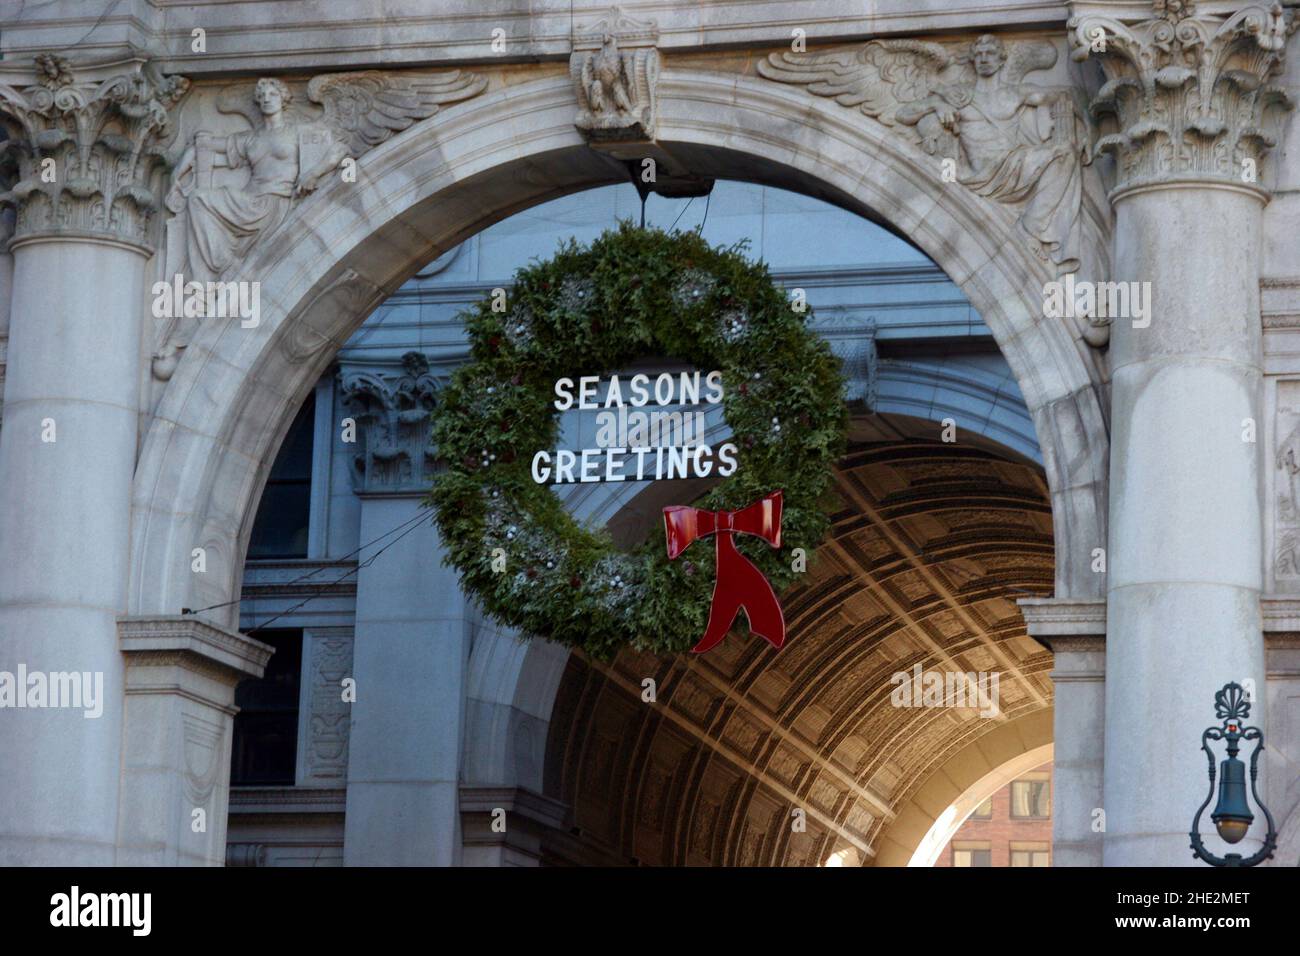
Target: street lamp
point(1232, 816)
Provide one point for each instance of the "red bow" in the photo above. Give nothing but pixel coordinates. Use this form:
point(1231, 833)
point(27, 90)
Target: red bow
point(739, 583)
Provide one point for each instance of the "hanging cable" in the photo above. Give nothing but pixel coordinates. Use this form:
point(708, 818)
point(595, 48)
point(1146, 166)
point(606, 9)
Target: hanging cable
point(699, 230)
point(682, 213)
point(321, 590)
point(329, 564)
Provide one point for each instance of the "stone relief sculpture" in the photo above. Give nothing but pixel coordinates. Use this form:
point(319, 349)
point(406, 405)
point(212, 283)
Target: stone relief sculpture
point(85, 151)
point(615, 66)
point(1188, 94)
point(287, 153)
point(1010, 141)
point(1287, 513)
point(392, 406)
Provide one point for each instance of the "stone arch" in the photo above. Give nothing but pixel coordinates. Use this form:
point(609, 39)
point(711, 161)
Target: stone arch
point(957, 772)
point(209, 446)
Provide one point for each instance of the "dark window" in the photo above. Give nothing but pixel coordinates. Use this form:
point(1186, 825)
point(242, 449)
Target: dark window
point(280, 528)
point(972, 857)
point(265, 747)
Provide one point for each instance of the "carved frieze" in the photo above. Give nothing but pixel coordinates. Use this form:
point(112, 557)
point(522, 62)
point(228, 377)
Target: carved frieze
point(329, 718)
point(970, 106)
point(86, 148)
point(1286, 513)
point(391, 406)
point(1187, 96)
point(615, 67)
point(287, 151)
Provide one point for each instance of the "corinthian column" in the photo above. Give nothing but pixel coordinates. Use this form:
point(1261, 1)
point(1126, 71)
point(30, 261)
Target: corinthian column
point(1185, 109)
point(87, 146)
point(410, 652)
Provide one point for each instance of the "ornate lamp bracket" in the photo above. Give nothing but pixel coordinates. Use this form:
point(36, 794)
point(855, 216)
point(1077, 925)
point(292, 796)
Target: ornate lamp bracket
point(1232, 707)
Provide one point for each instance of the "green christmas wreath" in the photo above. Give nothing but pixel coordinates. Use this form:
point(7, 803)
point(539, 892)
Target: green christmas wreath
point(633, 293)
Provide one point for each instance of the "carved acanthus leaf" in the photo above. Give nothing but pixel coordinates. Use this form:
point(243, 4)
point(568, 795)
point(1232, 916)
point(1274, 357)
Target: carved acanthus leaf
point(392, 406)
point(88, 149)
point(1187, 96)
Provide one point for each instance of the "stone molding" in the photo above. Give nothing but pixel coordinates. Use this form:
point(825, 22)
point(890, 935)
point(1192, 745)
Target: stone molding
point(391, 404)
point(1187, 96)
point(540, 811)
point(245, 854)
point(1055, 619)
point(1064, 617)
point(192, 645)
point(104, 128)
point(615, 67)
point(287, 800)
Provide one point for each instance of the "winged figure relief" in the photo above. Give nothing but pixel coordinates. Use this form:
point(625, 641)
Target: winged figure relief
point(1010, 142)
point(287, 152)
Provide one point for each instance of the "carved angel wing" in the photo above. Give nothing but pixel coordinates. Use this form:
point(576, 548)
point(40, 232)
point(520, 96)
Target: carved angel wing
point(367, 108)
point(878, 78)
point(1027, 57)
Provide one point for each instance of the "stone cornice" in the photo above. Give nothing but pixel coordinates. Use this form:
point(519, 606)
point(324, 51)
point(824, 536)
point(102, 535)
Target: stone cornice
point(193, 645)
point(287, 800)
point(1054, 618)
point(1189, 92)
point(518, 800)
point(1049, 618)
point(87, 147)
point(265, 35)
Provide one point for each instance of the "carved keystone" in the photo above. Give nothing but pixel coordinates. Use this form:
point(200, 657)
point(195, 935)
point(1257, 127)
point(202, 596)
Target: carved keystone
point(615, 67)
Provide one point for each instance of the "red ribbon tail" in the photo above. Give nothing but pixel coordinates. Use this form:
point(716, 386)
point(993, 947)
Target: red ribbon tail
point(722, 613)
point(741, 584)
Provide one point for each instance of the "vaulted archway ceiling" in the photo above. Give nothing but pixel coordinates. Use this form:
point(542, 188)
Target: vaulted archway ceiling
point(932, 544)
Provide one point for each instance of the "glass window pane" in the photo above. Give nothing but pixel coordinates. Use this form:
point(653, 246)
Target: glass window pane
point(284, 513)
point(1031, 798)
point(264, 750)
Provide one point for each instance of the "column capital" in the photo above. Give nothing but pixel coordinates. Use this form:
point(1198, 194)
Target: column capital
point(392, 403)
point(86, 147)
point(1189, 93)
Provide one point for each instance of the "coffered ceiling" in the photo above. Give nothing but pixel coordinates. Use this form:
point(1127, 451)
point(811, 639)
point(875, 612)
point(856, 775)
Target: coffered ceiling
point(931, 546)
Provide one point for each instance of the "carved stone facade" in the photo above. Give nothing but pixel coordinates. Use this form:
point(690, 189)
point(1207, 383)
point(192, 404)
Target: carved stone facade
point(1006, 144)
point(287, 153)
point(327, 660)
point(1187, 95)
point(968, 105)
point(88, 148)
point(391, 406)
point(615, 67)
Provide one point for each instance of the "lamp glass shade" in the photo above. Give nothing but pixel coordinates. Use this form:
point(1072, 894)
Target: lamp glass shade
point(1232, 816)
